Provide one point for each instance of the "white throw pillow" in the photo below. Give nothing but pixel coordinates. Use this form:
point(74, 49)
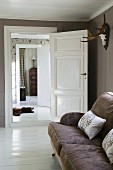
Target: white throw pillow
point(91, 124)
point(107, 145)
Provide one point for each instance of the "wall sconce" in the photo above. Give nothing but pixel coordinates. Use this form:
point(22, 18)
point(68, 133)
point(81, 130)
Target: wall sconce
point(104, 33)
point(33, 59)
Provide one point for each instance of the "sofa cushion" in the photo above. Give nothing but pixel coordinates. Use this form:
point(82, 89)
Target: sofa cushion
point(107, 145)
point(84, 157)
point(103, 107)
point(62, 134)
point(91, 124)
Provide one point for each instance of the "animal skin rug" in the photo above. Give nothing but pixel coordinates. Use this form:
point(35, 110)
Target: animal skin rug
point(19, 111)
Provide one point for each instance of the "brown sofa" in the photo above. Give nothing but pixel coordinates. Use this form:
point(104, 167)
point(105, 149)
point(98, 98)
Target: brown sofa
point(73, 148)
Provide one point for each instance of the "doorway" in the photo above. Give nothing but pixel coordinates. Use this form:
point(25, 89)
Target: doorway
point(31, 87)
point(32, 80)
point(67, 53)
point(8, 101)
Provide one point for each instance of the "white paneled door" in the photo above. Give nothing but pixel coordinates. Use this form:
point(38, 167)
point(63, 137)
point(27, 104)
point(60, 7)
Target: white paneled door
point(69, 73)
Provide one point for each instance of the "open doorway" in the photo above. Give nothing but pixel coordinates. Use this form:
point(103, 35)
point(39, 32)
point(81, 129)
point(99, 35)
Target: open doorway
point(34, 32)
point(71, 88)
point(30, 80)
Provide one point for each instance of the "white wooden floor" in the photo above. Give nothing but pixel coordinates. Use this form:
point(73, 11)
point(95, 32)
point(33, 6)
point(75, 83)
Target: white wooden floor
point(26, 148)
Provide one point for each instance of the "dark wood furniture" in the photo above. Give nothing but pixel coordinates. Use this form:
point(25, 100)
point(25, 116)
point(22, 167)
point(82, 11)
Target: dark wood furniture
point(33, 81)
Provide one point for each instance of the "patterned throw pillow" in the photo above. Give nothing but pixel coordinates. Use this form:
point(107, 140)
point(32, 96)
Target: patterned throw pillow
point(91, 124)
point(107, 145)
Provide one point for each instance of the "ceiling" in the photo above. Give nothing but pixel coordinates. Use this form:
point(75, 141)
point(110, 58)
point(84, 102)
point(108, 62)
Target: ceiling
point(53, 10)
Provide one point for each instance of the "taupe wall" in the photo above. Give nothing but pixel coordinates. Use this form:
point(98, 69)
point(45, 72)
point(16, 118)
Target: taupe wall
point(100, 60)
point(61, 26)
point(2, 75)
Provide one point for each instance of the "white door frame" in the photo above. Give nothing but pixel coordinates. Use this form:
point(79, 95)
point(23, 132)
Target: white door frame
point(7, 52)
point(18, 46)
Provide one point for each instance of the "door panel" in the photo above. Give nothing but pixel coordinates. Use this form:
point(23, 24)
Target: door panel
point(66, 77)
point(67, 43)
point(68, 104)
point(68, 65)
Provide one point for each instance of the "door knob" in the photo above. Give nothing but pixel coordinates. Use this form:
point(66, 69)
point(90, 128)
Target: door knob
point(84, 74)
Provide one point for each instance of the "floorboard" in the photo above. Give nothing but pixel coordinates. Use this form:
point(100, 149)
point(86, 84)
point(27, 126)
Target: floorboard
point(26, 148)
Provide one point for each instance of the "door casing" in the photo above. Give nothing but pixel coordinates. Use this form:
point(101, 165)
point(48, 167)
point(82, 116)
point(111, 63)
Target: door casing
point(7, 51)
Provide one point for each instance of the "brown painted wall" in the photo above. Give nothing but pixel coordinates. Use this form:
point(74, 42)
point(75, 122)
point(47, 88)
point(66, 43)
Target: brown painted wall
point(100, 60)
point(61, 26)
point(2, 75)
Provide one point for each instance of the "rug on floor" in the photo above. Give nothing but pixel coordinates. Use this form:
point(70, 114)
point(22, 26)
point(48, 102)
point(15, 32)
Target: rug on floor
point(19, 111)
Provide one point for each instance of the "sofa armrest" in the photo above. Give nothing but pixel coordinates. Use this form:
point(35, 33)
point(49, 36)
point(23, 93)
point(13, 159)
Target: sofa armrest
point(71, 119)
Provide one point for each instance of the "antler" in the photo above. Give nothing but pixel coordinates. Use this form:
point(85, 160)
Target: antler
point(101, 31)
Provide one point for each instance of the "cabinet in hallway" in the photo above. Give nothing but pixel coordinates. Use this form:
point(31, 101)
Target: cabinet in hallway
point(33, 81)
